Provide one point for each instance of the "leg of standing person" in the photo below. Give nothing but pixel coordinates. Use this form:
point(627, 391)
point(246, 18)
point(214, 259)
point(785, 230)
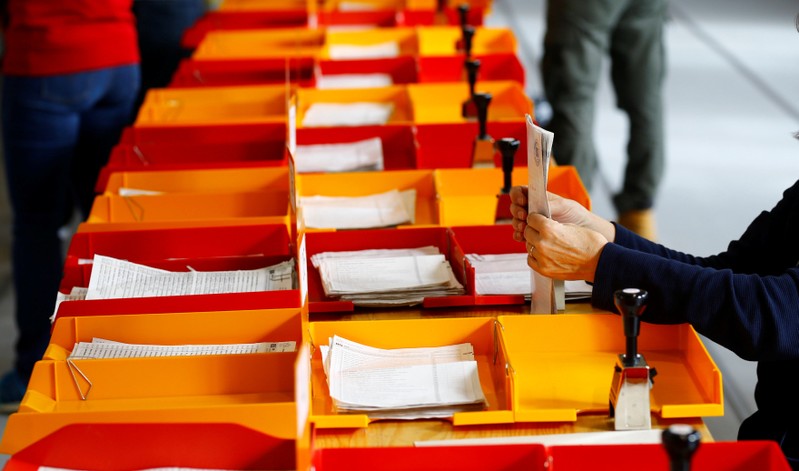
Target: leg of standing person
point(101, 126)
point(40, 130)
point(637, 70)
point(47, 123)
point(576, 41)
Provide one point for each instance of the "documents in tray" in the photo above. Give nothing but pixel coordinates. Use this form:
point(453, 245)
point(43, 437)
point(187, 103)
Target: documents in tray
point(365, 155)
point(347, 114)
point(339, 81)
point(103, 348)
point(359, 212)
point(386, 277)
point(113, 279)
point(509, 274)
point(402, 383)
point(369, 51)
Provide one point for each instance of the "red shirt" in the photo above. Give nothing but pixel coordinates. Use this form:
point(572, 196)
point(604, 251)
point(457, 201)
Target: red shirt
point(50, 37)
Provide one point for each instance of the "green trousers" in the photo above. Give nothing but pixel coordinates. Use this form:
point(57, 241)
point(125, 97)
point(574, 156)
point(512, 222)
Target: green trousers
point(579, 35)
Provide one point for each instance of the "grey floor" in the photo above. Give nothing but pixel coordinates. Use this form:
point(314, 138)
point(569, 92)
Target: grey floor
point(732, 104)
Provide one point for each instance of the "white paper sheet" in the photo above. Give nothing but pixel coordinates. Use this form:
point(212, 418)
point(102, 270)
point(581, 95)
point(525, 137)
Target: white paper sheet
point(362, 155)
point(344, 81)
point(347, 114)
point(358, 212)
point(368, 51)
point(102, 348)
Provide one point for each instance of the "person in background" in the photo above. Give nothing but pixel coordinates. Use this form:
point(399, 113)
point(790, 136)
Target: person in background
point(745, 298)
point(161, 24)
point(70, 78)
point(578, 36)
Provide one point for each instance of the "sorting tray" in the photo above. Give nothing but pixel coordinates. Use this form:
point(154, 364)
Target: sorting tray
point(479, 331)
point(244, 247)
point(216, 180)
point(562, 366)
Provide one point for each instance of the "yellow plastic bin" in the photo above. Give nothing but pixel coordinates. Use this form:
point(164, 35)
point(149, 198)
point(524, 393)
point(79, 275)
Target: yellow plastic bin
point(396, 97)
point(250, 179)
point(214, 105)
point(435, 103)
point(253, 390)
point(479, 331)
point(372, 43)
point(369, 183)
point(260, 44)
point(562, 366)
point(444, 40)
point(470, 196)
point(169, 210)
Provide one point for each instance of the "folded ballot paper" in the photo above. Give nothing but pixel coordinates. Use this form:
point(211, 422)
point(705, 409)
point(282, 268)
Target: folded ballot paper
point(99, 348)
point(366, 51)
point(509, 274)
point(402, 383)
point(359, 212)
point(359, 156)
point(112, 278)
point(347, 114)
point(386, 277)
point(341, 81)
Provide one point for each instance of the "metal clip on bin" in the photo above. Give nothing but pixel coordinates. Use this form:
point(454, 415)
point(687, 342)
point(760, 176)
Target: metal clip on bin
point(632, 377)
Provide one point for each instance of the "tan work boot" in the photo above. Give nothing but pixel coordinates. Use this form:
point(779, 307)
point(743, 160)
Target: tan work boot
point(640, 221)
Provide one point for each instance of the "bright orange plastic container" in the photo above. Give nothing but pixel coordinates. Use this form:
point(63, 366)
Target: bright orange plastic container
point(444, 40)
point(562, 366)
point(479, 331)
point(369, 183)
point(406, 40)
point(396, 95)
point(260, 44)
point(214, 105)
point(435, 103)
point(253, 390)
point(471, 196)
point(220, 180)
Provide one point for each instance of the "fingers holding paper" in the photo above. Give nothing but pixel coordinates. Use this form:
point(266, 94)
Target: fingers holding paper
point(562, 251)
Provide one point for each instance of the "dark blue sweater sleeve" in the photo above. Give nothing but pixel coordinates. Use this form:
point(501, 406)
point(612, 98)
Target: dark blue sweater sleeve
point(746, 298)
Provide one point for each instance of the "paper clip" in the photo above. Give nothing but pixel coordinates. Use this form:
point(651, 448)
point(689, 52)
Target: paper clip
point(133, 205)
point(72, 369)
point(140, 155)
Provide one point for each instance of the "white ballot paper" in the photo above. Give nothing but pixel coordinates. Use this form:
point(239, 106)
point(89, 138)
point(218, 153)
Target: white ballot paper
point(403, 383)
point(368, 51)
point(508, 273)
point(386, 277)
point(341, 81)
point(103, 348)
point(347, 114)
point(112, 279)
point(123, 191)
point(359, 212)
point(545, 293)
point(364, 155)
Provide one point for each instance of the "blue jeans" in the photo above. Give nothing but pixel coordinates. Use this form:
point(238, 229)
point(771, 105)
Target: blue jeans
point(58, 132)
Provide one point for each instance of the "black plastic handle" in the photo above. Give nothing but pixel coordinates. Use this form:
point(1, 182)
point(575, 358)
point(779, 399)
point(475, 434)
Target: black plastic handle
point(463, 14)
point(472, 69)
point(468, 36)
point(481, 102)
point(631, 303)
point(681, 442)
point(507, 148)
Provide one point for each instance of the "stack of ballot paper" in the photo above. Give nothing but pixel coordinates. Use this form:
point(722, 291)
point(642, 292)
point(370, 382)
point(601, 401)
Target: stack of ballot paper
point(367, 51)
point(360, 156)
point(347, 114)
point(509, 274)
point(359, 212)
point(386, 277)
point(113, 279)
point(402, 383)
point(103, 348)
point(341, 81)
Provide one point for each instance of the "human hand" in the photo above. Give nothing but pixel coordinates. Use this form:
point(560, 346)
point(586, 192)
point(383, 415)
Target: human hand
point(562, 251)
point(518, 211)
